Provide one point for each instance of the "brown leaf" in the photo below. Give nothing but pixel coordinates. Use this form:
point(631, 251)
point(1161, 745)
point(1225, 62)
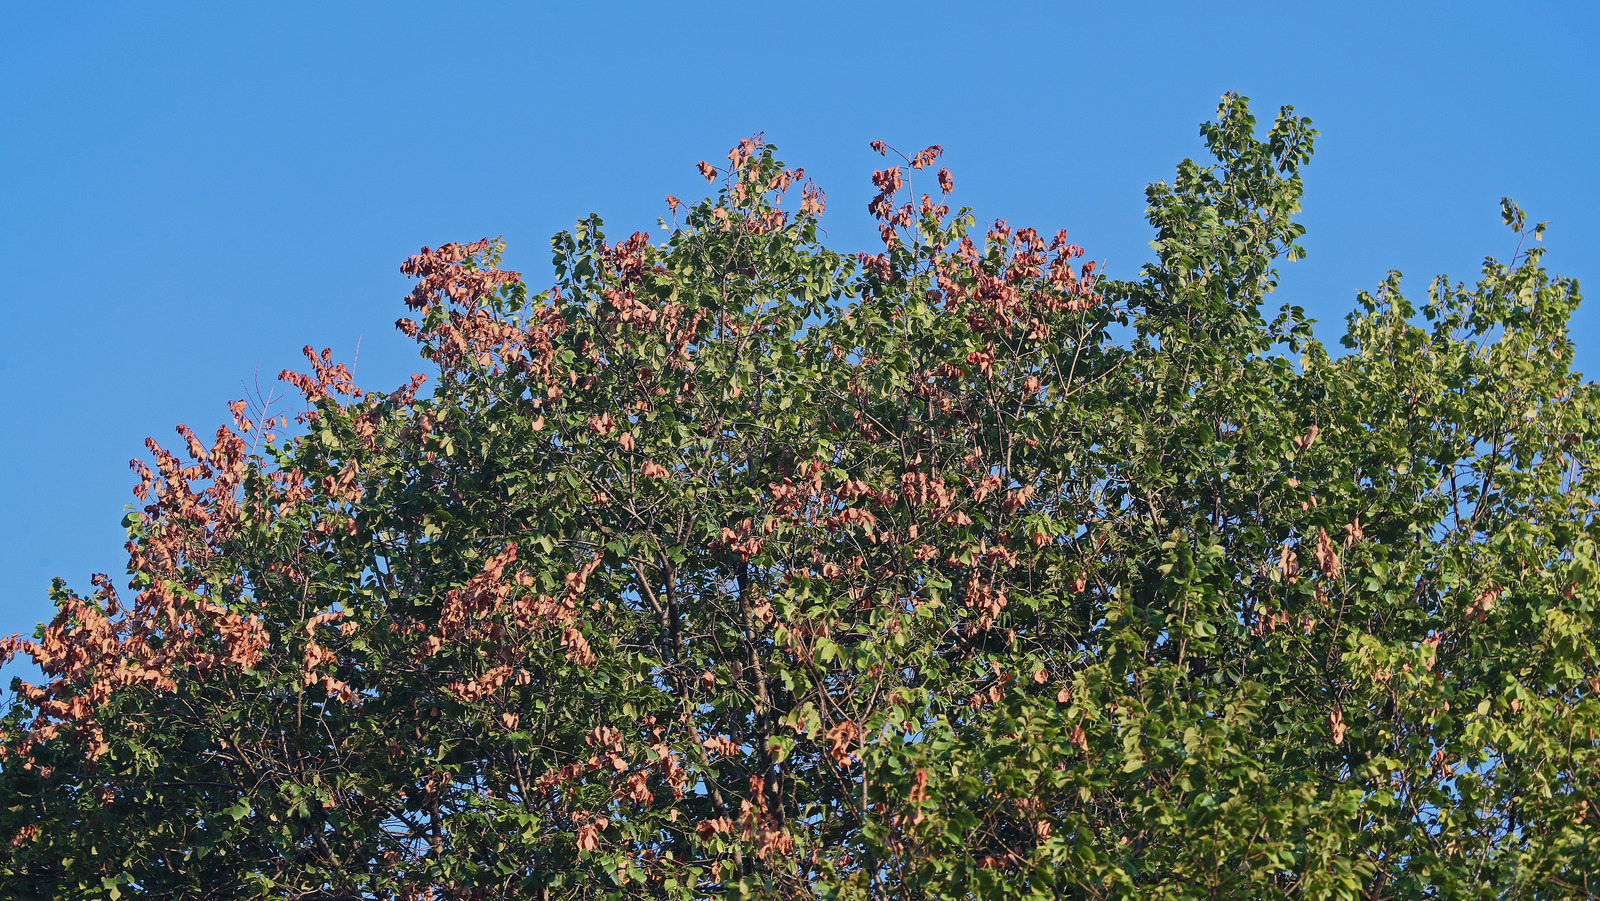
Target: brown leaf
point(1353, 533)
point(841, 738)
point(1484, 602)
point(708, 828)
point(1327, 557)
point(1306, 440)
point(1289, 565)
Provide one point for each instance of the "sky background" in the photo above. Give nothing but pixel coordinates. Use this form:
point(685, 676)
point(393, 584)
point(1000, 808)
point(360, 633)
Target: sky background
point(191, 193)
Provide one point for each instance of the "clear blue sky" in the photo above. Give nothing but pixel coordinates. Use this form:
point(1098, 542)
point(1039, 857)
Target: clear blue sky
point(190, 193)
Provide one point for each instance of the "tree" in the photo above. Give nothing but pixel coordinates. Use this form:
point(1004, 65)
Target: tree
point(737, 566)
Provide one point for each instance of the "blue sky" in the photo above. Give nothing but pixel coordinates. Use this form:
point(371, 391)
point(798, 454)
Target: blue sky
point(190, 193)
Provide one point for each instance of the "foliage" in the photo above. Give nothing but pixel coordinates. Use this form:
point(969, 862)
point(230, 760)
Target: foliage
point(737, 566)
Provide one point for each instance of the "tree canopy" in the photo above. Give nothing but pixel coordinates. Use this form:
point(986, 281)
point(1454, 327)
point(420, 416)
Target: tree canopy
point(737, 566)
